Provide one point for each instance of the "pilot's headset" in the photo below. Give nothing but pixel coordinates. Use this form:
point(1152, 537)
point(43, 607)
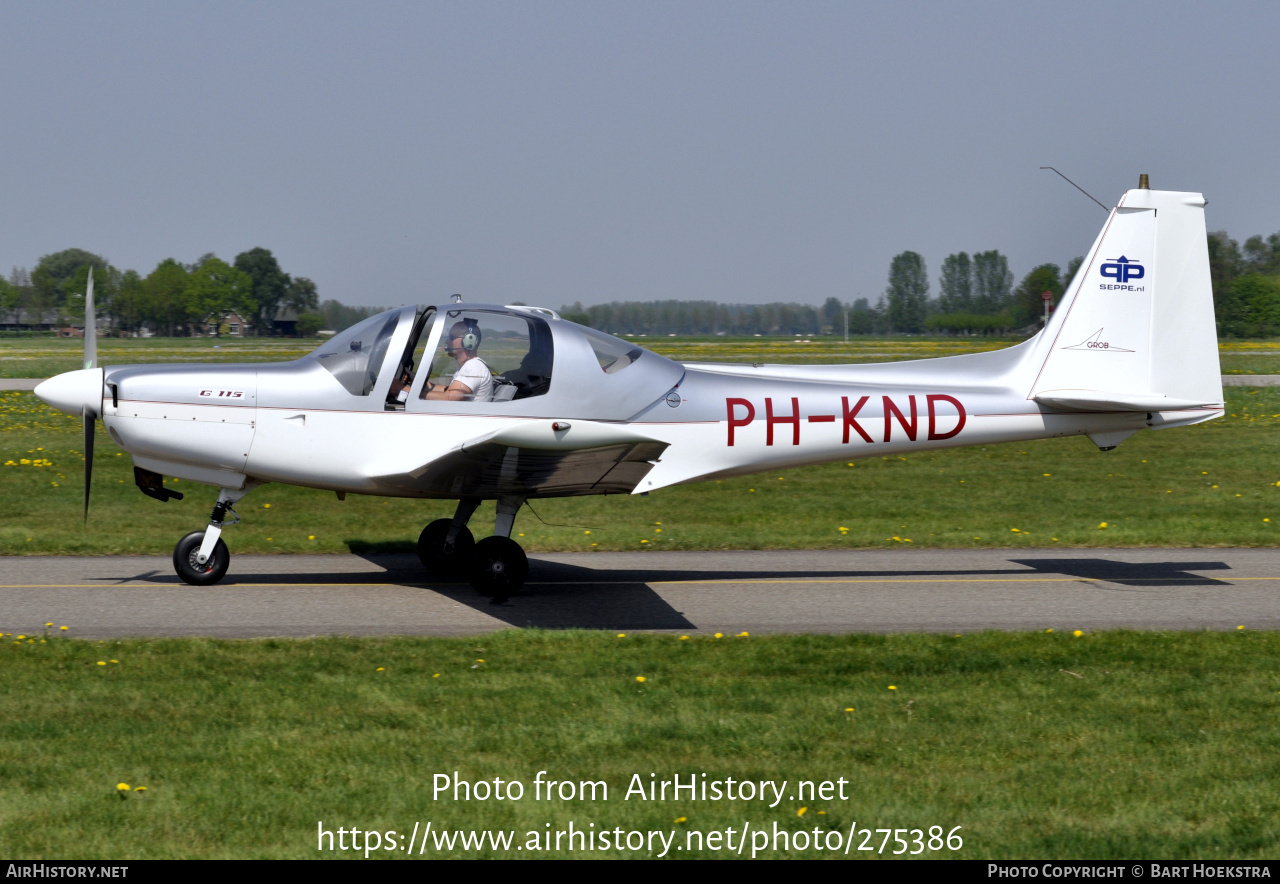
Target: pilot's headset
point(471, 338)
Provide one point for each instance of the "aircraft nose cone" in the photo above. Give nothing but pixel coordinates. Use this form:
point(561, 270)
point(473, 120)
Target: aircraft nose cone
point(73, 391)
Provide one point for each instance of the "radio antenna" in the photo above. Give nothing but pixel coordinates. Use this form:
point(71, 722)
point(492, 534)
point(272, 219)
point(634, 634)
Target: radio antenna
point(1076, 186)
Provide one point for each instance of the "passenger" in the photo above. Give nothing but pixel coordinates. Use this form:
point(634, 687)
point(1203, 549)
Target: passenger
point(473, 380)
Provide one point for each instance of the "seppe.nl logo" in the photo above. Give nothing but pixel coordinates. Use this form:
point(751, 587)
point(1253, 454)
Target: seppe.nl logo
point(1122, 270)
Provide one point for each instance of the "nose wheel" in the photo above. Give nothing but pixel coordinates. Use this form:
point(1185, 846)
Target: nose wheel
point(186, 560)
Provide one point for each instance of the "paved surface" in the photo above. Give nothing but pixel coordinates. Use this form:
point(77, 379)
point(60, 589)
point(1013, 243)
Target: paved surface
point(774, 591)
point(1228, 380)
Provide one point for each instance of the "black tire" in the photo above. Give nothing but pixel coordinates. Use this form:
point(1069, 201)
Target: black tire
point(431, 549)
point(184, 561)
point(498, 567)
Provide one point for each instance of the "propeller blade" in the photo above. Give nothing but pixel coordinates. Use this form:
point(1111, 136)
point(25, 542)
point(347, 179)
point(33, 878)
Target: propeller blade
point(87, 417)
point(90, 327)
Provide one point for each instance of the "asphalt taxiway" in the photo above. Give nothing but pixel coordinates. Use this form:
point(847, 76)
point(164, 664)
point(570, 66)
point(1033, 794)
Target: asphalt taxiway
point(898, 590)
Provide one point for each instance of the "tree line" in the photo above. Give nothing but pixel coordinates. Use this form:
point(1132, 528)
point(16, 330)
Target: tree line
point(173, 299)
point(976, 295)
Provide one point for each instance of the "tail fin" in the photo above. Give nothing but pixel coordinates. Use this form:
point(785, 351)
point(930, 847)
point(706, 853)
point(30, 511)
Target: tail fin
point(1136, 330)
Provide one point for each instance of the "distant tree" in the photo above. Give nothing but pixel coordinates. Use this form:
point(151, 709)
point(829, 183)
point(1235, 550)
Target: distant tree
point(1073, 267)
point(908, 293)
point(862, 318)
point(301, 296)
point(8, 298)
point(1262, 255)
point(833, 316)
point(1224, 266)
point(338, 316)
point(199, 262)
point(1028, 300)
point(166, 297)
point(216, 289)
point(575, 312)
point(24, 294)
point(956, 284)
point(992, 282)
point(309, 323)
point(1251, 307)
point(132, 305)
point(270, 284)
point(59, 282)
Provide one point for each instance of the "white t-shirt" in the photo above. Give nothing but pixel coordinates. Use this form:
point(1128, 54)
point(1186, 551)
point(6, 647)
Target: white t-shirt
point(476, 375)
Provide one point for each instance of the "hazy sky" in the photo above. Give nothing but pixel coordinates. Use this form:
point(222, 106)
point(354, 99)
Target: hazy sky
point(553, 152)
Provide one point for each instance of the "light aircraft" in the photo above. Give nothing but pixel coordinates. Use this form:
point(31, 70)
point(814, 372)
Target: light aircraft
point(573, 411)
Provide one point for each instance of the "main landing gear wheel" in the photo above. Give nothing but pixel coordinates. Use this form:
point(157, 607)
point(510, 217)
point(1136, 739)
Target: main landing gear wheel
point(184, 561)
point(432, 552)
point(498, 567)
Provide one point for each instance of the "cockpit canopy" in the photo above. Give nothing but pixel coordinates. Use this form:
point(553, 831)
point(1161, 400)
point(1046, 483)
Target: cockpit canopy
point(490, 360)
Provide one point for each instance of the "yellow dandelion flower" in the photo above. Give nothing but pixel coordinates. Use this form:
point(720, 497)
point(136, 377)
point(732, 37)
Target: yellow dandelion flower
point(115, 661)
point(381, 669)
point(102, 662)
point(743, 634)
point(644, 541)
point(123, 787)
point(848, 709)
point(719, 635)
point(893, 687)
point(266, 506)
point(21, 637)
point(311, 537)
point(140, 788)
point(1078, 633)
point(802, 811)
point(479, 661)
point(641, 679)
point(1240, 627)
point(684, 638)
point(622, 635)
point(1048, 630)
point(1102, 524)
point(63, 628)
point(48, 624)
point(437, 675)
point(586, 532)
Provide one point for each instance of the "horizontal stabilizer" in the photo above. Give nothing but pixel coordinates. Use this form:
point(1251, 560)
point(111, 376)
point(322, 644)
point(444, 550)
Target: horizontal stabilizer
point(1099, 400)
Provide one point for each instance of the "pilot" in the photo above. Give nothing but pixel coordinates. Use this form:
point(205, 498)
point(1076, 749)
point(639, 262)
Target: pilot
point(473, 380)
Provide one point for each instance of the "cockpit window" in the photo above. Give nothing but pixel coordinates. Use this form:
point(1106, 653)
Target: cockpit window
point(613, 354)
point(355, 356)
point(495, 356)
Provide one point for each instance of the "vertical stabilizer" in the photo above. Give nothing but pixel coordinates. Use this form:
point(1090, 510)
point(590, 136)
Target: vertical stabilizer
point(1137, 332)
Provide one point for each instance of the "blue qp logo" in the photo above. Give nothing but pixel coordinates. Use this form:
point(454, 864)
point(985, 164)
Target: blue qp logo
point(1123, 270)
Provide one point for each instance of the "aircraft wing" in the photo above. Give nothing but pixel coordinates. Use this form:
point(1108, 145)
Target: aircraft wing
point(544, 458)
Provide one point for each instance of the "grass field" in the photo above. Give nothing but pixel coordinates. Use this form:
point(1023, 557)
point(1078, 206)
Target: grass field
point(1115, 745)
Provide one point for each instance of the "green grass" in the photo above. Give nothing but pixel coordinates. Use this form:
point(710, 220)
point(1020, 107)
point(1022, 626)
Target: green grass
point(1209, 485)
point(1159, 745)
